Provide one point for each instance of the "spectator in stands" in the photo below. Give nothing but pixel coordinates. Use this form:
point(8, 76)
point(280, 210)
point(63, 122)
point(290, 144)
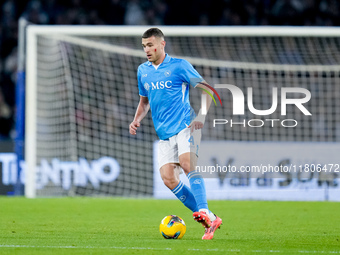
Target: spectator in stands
point(6, 118)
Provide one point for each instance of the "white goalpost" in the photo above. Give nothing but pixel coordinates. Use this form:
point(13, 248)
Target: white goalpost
point(81, 95)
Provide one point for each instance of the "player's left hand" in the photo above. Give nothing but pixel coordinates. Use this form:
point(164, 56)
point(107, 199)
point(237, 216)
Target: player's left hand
point(196, 125)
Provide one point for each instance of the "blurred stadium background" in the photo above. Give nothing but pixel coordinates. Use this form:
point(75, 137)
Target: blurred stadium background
point(102, 114)
point(86, 96)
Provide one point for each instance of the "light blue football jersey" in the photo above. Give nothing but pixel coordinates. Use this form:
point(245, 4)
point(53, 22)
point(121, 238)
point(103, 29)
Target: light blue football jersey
point(167, 89)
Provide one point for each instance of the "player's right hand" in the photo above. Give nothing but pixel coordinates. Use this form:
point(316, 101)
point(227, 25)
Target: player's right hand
point(133, 127)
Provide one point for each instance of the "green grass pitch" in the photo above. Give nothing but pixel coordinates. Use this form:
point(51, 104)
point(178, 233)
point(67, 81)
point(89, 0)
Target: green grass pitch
point(130, 226)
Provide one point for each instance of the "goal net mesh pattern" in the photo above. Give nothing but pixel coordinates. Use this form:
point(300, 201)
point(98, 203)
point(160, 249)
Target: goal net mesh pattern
point(87, 96)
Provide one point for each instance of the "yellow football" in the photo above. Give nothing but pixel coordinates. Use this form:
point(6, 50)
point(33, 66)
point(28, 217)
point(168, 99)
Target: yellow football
point(172, 227)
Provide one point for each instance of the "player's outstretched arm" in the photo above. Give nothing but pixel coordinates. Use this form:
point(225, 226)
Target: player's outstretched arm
point(142, 110)
point(198, 122)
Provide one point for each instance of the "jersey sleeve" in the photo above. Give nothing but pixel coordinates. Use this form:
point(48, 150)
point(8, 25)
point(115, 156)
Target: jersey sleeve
point(142, 90)
point(189, 74)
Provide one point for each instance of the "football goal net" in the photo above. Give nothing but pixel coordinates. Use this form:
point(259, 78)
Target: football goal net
point(81, 95)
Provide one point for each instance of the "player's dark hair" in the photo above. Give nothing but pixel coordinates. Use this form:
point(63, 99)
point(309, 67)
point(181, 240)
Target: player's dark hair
point(153, 32)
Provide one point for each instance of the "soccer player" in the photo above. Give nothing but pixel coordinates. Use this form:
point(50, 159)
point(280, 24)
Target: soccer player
point(163, 83)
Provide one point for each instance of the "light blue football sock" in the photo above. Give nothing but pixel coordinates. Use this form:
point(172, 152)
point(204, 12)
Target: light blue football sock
point(198, 189)
point(184, 194)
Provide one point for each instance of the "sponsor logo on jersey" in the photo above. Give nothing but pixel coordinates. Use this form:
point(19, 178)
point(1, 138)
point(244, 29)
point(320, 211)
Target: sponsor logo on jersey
point(158, 85)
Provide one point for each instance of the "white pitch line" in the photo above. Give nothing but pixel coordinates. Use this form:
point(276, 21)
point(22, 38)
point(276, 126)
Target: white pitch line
point(154, 248)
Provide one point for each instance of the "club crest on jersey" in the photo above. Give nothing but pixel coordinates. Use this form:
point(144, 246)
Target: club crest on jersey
point(167, 73)
point(146, 86)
